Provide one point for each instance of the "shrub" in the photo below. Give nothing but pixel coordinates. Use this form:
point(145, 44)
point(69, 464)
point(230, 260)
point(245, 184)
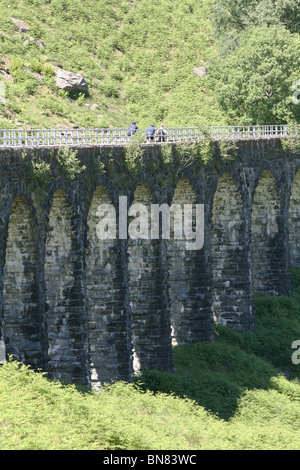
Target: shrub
point(69, 163)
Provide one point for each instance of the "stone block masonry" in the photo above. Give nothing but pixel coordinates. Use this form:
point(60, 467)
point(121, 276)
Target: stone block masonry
point(90, 311)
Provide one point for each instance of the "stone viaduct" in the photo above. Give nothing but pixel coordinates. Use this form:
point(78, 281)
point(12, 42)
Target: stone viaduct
point(90, 311)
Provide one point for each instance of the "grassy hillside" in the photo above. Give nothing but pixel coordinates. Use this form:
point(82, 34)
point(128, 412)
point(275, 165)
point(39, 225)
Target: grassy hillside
point(242, 392)
point(136, 57)
point(39, 415)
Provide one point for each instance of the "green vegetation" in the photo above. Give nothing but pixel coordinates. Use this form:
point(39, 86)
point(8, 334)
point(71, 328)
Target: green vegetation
point(253, 83)
point(216, 375)
point(141, 62)
point(258, 65)
point(242, 392)
point(239, 15)
point(69, 163)
point(137, 59)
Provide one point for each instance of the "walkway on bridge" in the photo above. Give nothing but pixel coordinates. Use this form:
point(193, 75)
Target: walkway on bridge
point(23, 138)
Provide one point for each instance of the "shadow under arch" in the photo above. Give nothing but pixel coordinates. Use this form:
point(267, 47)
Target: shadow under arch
point(188, 277)
point(266, 249)
point(22, 325)
point(232, 287)
point(150, 326)
point(64, 294)
point(294, 223)
point(109, 351)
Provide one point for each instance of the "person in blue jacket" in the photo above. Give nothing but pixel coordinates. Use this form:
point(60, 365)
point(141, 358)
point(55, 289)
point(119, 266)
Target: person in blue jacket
point(132, 129)
point(150, 133)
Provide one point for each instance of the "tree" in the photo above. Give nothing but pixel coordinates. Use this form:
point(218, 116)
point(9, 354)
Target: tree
point(239, 15)
point(254, 83)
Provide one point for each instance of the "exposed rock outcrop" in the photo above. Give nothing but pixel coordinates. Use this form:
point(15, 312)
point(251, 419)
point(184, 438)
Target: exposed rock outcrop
point(23, 27)
point(200, 71)
point(70, 81)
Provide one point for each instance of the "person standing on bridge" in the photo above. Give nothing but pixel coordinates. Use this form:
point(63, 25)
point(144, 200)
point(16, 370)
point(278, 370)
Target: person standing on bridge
point(161, 134)
point(150, 133)
point(132, 129)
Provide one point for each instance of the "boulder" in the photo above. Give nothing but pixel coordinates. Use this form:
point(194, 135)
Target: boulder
point(200, 71)
point(70, 81)
point(95, 106)
point(38, 42)
point(23, 27)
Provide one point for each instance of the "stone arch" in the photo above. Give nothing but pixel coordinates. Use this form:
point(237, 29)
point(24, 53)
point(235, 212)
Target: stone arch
point(64, 296)
point(231, 295)
point(110, 354)
point(22, 322)
point(150, 327)
point(266, 249)
point(189, 316)
point(294, 223)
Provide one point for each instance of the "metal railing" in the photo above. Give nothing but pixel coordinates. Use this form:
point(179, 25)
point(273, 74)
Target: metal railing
point(22, 138)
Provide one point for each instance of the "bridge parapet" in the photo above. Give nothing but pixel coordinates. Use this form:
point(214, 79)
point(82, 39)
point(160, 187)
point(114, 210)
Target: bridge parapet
point(28, 138)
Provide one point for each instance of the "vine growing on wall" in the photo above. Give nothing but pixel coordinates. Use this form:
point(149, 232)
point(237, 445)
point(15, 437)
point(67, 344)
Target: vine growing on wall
point(69, 163)
point(134, 151)
point(38, 171)
point(228, 150)
point(41, 171)
point(191, 152)
point(166, 154)
point(290, 144)
point(182, 154)
point(205, 153)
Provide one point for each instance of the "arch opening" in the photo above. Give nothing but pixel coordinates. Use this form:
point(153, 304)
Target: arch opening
point(232, 289)
point(190, 306)
point(294, 223)
point(147, 292)
point(266, 248)
point(110, 355)
point(64, 294)
point(22, 321)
